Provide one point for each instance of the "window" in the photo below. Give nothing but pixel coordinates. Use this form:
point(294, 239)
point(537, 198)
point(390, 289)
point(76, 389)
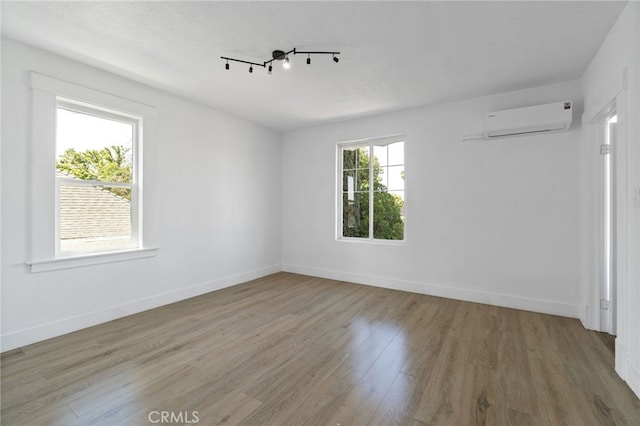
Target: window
point(97, 195)
point(86, 159)
point(371, 196)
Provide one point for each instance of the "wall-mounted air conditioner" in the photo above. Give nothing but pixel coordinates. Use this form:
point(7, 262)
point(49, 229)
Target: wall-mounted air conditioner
point(533, 120)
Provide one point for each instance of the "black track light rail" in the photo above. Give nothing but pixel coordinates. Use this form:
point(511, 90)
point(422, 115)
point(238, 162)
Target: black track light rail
point(245, 62)
point(279, 55)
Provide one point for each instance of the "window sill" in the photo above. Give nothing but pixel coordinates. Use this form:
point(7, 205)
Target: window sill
point(90, 259)
point(374, 242)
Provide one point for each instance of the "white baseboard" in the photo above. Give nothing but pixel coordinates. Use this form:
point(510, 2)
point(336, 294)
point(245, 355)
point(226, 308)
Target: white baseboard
point(67, 325)
point(41, 332)
point(527, 304)
point(625, 368)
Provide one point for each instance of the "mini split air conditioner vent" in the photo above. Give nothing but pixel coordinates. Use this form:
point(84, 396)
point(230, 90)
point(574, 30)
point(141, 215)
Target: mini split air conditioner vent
point(547, 118)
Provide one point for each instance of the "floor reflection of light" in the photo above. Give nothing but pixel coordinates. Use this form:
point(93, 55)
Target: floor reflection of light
point(106, 397)
point(379, 353)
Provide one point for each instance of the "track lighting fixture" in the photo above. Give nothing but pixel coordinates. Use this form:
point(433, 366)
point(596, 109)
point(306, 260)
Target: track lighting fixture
point(280, 55)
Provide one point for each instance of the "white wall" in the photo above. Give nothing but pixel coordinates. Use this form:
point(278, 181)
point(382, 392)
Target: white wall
point(619, 54)
point(217, 211)
point(487, 221)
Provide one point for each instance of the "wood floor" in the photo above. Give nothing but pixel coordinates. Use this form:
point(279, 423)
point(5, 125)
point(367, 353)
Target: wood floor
point(295, 350)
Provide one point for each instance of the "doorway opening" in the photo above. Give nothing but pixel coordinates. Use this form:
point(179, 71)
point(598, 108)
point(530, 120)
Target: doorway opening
point(607, 221)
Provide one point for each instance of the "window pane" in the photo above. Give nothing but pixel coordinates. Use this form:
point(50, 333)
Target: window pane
point(363, 157)
point(355, 180)
point(349, 158)
point(396, 153)
point(380, 179)
point(400, 195)
point(355, 157)
point(355, 215)
point(89, 147)
point(94, 218)
point(380, 154)
point(395, 176)
point(388, 222)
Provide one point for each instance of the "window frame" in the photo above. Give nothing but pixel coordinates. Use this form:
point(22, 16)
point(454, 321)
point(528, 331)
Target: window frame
point(386, 140)
point(44, 251)
point(122, 117)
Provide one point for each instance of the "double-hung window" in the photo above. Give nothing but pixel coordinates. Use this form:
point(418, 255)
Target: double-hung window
point(97, 195)
point(371, 193)
point(86, 163)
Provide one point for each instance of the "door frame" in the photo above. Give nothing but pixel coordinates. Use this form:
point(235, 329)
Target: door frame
point(614, 94)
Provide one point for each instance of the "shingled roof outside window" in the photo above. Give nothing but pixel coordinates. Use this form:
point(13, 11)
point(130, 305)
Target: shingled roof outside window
point(92, 217)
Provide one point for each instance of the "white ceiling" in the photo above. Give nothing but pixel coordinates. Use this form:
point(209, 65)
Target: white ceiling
point(395, 55)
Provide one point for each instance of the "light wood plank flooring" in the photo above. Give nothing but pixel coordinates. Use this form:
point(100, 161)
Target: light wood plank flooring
point(296, 350)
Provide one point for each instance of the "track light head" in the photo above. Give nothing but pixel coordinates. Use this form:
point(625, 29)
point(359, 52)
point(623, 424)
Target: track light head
point(270, 69)
point(336, 59)
point(226, 67)
point(308, 59)
point(286, 65)
point(250, 68)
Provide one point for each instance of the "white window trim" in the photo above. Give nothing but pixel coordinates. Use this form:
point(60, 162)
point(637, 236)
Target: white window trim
point(90, 259)
point(339, 191)
point(46, 92)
